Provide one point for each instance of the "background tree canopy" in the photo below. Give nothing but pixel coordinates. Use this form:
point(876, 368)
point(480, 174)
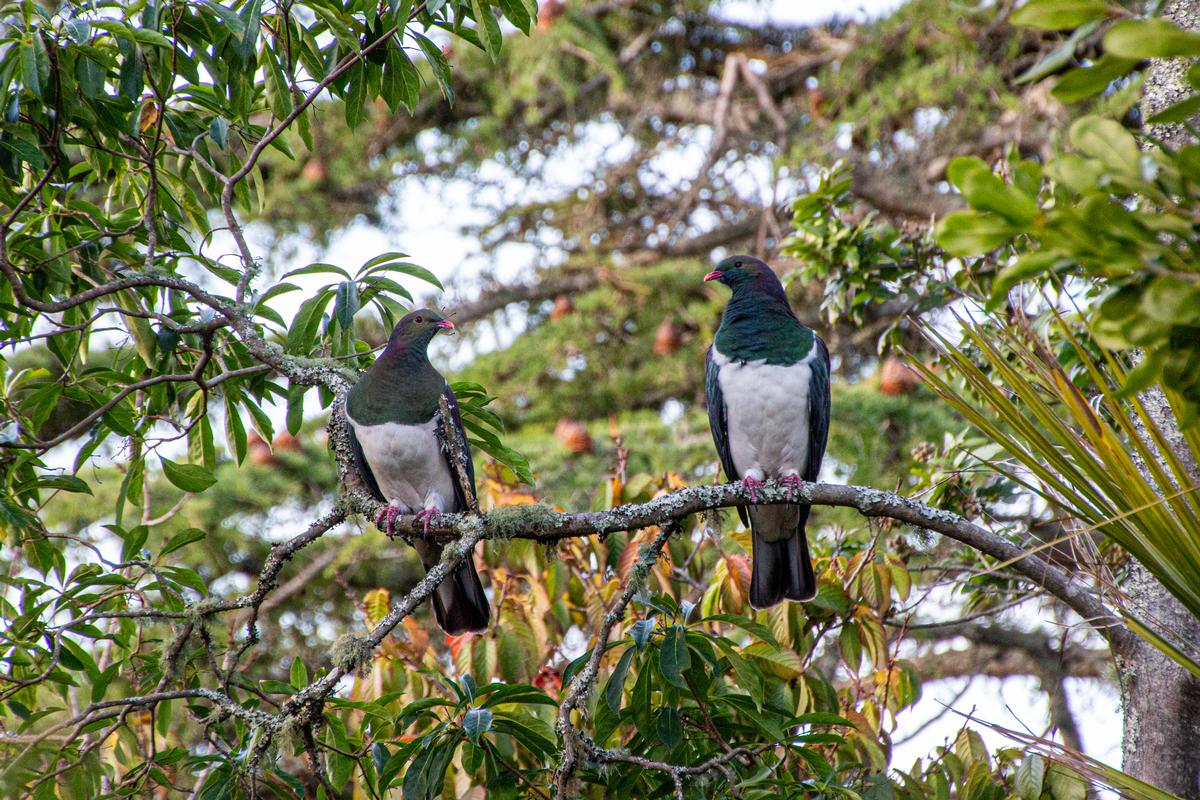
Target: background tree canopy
point(988, 211)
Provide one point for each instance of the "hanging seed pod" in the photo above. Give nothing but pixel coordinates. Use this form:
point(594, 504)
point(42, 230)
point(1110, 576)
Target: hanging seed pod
point(896, 379)
point(573, 435)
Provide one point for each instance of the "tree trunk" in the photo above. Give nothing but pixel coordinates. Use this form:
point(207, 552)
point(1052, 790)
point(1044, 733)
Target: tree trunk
point(1160, 699)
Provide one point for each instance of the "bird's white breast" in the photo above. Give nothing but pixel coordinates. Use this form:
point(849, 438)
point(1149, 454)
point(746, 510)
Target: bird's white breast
point(767, 414)
point(408, 464)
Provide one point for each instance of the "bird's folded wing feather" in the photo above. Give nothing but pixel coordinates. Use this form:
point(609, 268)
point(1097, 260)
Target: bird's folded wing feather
point(719, 425)
point(818, 411)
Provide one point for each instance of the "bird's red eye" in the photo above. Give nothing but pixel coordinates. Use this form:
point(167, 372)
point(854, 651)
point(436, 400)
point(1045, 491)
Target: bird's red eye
point(737, 263)
point(418, 320)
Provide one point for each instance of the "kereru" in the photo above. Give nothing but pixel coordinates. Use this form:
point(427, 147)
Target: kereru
point(392, 412)
point(767, 384)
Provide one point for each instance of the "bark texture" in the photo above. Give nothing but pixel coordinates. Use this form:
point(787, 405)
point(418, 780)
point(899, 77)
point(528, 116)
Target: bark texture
point(1161, 700)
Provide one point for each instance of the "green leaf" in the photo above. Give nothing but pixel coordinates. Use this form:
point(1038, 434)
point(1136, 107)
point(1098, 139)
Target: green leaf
point(131, 80)
point(1061, 56)
point(219, 130)
point(182, 539)
point(298, 675)
point(385, 264)
point(476, 722)
point(970, 233)
point(488, 29)
point(416, 778)
point(670, 728)
point(250, 17)
point(235, 430)
point(1107, 141)
point(355, 97)
point(401, 81)
point(1064, 783)
point(66, 483)
point(750, 626)
point(295, 408)
point(318, 268)
point(41, 404)
point(232, 22)
point(1030, 774)
point(35, 64)
point(276, 687)
point(346, 305)
point(615, 688)
point(1150, 38)
point(516, 13)
point(90, 76)
point(777, 660)
point(674, 657)
point(441, 67)
point(641, 631)
point(1182, 111)
point(1080, 83)
point(278, 93)
point(984, 190)
point(1057, 15)
point(305, 326)
point(101, 682)
point(189, 477)
point(134, 539)
point(536, 736)
point(850, 643)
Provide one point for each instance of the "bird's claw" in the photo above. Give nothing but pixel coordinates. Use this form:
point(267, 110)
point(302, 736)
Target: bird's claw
point(792, 482)
point(386, 521)
point(753, 485)
point(425, 516)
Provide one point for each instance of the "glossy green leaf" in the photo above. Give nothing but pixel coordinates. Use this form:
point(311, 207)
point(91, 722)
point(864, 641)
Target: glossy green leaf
point(1059, 14)
point(674, 658)
point(476, 722)
point(181, 539)
point(615, 688)
point(189, 477)
point(1150, 38)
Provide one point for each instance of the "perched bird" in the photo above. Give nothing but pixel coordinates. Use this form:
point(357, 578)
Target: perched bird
point(767, 384)
point(392, 412)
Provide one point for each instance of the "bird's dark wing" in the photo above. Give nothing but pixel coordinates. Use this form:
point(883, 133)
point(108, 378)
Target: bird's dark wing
point(818, 411)
point(360, 463)
point(457, 425)
point(718, 424)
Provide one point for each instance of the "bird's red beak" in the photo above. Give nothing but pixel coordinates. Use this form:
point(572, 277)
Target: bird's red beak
point(445, 323)
point(714, 275)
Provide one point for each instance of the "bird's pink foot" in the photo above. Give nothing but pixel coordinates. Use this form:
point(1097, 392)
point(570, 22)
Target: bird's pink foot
point(753, 485)
point(792, 482)
point(425, 516)
point(386, 520)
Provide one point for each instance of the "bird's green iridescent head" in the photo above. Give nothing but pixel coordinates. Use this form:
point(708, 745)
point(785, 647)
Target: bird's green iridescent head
point(417, 328)
point(742, 273)
point(757, 324)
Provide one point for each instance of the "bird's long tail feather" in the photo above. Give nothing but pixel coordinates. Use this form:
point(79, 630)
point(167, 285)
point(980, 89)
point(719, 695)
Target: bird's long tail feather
point(782, 567)
point(459, 603)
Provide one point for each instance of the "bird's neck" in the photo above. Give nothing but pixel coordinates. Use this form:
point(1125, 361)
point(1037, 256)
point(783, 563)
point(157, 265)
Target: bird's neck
point(401, 386)
point(762, 327)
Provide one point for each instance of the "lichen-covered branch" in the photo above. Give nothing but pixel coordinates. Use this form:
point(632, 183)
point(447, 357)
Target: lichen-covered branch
point(545, 525)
